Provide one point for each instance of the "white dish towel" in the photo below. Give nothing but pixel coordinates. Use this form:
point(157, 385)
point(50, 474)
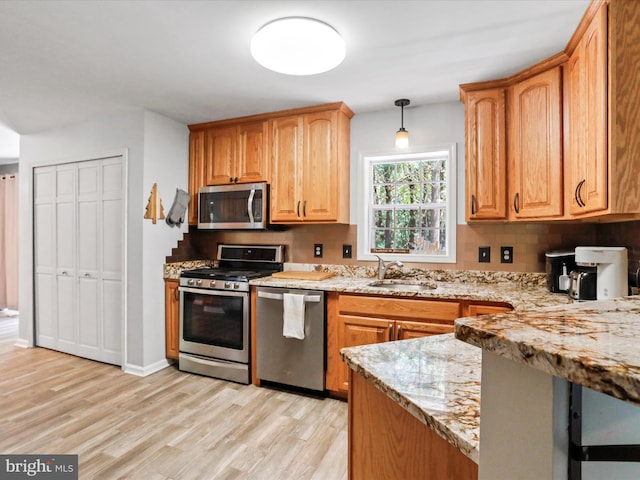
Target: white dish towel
point(293, 316)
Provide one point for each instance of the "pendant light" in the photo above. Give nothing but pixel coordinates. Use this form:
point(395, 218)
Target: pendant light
point(402, 135)
point(298, 46)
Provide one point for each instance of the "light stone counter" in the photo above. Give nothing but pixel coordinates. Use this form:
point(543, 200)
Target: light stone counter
point(593, 344)
point(436, 379)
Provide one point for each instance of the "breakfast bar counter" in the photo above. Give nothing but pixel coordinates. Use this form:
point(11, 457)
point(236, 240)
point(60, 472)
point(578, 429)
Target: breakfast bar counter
point(436, 379)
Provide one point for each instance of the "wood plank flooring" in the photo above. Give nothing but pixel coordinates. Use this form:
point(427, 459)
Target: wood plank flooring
point(169, 425)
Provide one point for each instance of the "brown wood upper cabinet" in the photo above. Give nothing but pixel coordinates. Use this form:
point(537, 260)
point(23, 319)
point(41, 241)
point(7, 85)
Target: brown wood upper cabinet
point(310, 166)
point(573, 129)
point(236, 153)
point(535, 148)
point(486, 154)
point(307, 148)
point(196, 172)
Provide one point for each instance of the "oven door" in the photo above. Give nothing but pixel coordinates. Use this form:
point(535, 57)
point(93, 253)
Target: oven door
point(215, 323)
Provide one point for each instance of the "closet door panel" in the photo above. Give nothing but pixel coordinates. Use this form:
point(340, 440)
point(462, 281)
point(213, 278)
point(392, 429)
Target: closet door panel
point(44, 261)
point(45, 305)
point(112, 315)
point(66, 313)
point(89, 318)
point(65, 238)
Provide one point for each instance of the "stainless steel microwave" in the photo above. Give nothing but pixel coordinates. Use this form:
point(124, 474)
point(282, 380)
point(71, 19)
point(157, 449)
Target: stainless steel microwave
point(233, 207)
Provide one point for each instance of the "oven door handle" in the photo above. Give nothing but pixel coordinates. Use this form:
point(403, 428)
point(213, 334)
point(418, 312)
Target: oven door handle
point(250, 205)
point(278, 296)
point(206, 291)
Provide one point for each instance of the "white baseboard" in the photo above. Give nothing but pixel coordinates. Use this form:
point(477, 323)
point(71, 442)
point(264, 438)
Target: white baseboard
point(22, 343)
point(148, 370)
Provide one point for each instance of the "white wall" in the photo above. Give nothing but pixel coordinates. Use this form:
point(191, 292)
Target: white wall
point(166, 159)
point(147, 138)
point(374, 132)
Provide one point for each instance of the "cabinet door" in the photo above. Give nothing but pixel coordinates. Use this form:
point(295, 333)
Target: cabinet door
point(586, 162)
point(251, 161)
point(172, 318)
point(354, 331)
point(486, 155)
point(320, 168)
point(535, 158)
point(286, 165)
point(196, 172)
point(406, 330)
point(220, 155)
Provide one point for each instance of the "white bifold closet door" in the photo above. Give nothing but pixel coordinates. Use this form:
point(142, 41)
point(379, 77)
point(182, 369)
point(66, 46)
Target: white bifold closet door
point(78, 238)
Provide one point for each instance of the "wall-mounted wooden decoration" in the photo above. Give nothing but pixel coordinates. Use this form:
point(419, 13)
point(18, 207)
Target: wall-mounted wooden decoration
point(154, 210)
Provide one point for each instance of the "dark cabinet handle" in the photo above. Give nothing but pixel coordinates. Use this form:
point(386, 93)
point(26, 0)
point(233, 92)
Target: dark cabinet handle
point(176, 294)
point(578, 195)
point(304, 209)
point(473, 204)
point(298, 208)
point(230, 179)
point(516, 202)
point(235, 180)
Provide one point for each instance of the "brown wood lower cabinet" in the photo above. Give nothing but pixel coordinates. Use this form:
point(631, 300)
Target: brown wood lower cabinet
point(354, 320)
point(172, 318)
point(386, 441)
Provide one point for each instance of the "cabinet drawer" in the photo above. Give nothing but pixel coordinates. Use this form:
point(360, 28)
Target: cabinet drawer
point(399, 308)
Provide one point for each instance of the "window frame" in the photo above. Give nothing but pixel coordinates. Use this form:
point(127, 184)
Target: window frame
point(364, 213)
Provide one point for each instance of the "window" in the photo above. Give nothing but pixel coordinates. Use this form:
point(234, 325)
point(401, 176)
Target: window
point(409, 212)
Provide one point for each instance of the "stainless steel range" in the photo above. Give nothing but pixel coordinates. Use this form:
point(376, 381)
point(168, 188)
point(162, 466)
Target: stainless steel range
point(214, 311)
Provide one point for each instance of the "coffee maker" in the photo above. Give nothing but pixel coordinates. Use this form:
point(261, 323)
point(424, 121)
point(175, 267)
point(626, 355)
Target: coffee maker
point(611, 269)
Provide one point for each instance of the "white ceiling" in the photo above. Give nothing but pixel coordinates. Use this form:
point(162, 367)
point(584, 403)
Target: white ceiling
point(65, 61)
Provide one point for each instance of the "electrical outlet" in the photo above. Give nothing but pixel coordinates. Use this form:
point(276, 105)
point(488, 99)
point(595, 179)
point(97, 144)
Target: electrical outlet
point(317, 250)
point(346, 251)
point(484, 254)
point(506, 254)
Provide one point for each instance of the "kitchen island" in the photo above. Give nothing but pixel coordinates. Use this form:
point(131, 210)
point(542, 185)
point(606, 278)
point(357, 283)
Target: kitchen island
point(529, 359)
point(414, 409)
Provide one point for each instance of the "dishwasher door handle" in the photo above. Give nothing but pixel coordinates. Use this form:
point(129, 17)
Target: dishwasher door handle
point(278, 296)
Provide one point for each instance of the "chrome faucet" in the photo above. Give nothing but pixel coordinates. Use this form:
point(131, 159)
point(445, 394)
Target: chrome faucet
point(383, 266)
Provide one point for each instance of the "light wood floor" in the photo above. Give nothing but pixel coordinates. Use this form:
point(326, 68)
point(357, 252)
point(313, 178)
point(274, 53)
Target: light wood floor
point(169, 425)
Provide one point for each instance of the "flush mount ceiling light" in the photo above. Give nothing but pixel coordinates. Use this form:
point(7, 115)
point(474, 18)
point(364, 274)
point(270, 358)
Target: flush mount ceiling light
point(298, 46)
point(402, 135)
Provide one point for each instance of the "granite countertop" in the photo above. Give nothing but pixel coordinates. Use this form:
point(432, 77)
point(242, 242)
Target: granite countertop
point(436, 379)
point(593, 344)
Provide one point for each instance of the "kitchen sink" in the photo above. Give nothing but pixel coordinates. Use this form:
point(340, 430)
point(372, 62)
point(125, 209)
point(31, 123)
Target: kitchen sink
point(403, 285)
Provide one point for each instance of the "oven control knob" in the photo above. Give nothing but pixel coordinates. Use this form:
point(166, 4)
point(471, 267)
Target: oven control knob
point(198, 283)
point(236, 286)
point(212, 284)
point(191, 282)
point(227, 284)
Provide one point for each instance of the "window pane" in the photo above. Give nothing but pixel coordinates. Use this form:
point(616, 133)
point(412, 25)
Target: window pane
point(384, 194)
point(383, 218)
point(383, 173)
point(408, 194)
point(382, 239)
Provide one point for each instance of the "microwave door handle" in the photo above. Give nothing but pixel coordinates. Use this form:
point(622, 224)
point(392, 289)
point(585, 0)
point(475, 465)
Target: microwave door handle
point(250, 205)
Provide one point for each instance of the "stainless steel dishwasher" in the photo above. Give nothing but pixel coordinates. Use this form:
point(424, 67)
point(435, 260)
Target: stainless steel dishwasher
point(290, 361)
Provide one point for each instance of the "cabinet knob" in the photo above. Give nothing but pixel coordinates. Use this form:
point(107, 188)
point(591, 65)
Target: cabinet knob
point(230, 179)
point(391, 332)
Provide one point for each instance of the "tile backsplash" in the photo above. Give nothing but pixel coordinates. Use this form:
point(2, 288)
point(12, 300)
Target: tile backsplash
point(529, 241)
